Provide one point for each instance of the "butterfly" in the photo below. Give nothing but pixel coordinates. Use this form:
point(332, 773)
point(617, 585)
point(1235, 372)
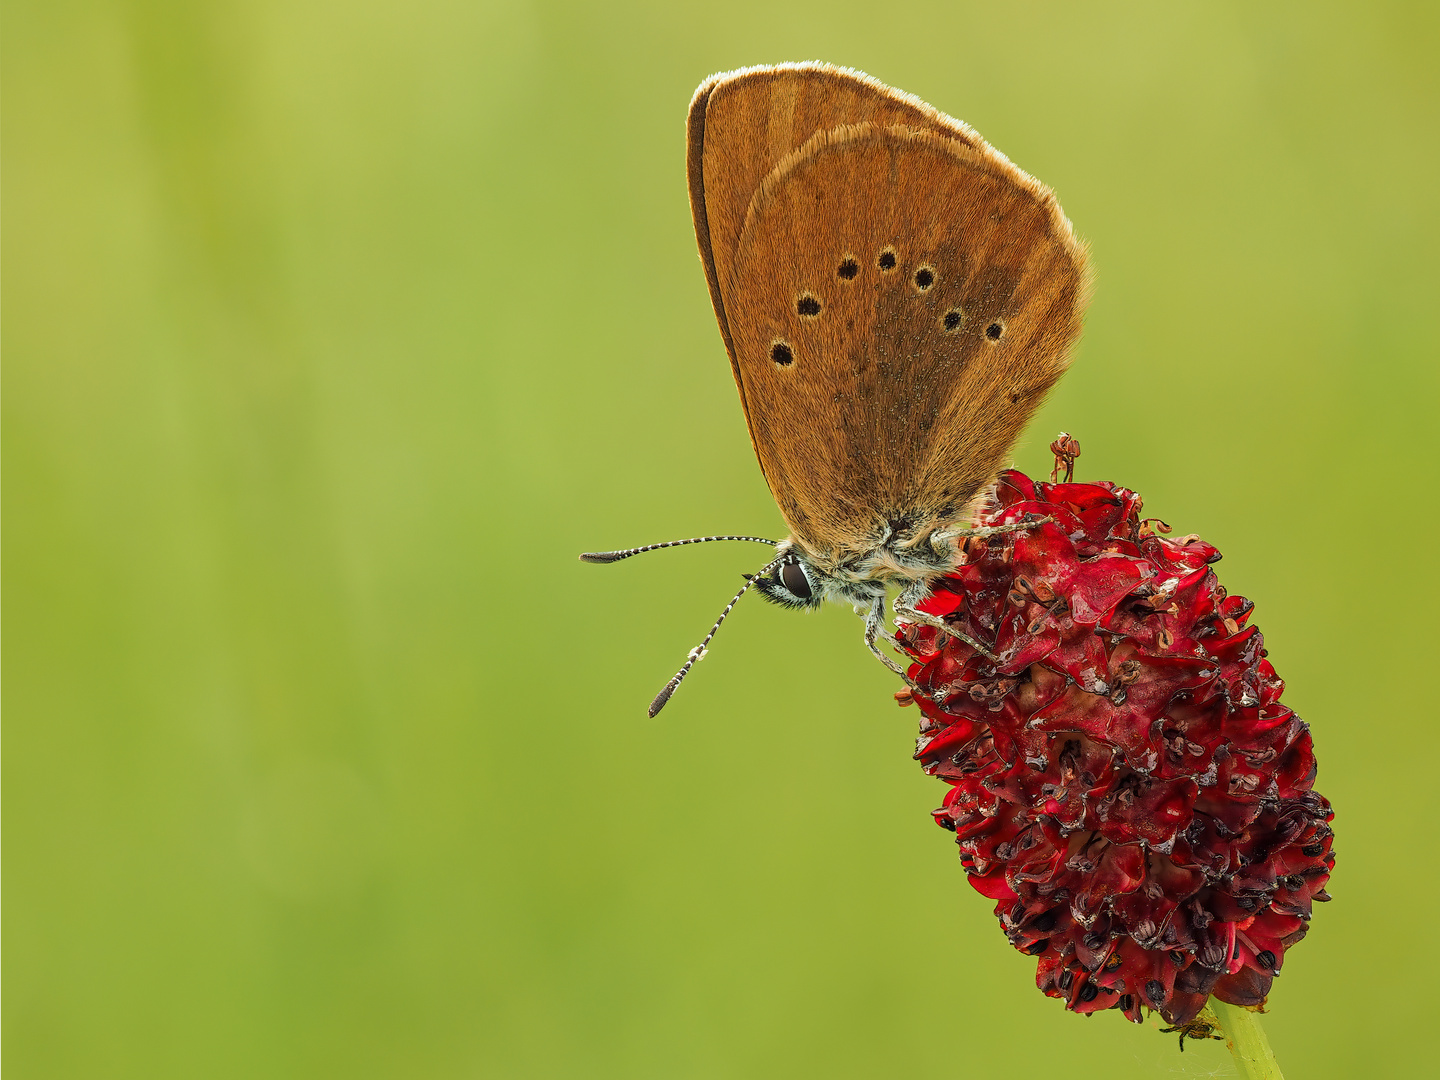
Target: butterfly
point(896, 298)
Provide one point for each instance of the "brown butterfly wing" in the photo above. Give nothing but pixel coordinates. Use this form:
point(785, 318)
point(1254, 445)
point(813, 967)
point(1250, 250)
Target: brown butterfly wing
point(743, 123)
point(878, 392)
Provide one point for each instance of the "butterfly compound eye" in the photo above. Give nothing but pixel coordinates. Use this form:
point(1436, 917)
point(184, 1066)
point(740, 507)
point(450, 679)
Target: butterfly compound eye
point(792, 576)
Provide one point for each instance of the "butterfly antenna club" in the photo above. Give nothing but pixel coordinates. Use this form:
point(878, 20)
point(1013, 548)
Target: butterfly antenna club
point(625, 553)
point(698, 653)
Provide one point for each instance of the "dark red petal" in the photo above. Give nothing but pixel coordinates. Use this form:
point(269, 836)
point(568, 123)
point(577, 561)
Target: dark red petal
point(993, 885)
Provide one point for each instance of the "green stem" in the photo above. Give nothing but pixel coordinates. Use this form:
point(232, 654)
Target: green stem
point(1247, 1042)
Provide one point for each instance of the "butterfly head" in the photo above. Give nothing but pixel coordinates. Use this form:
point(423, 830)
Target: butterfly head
point(795, 583)
point(804, 580)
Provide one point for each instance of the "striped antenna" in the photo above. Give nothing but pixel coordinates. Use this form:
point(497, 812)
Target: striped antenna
point(616, 556)
point(698, 653)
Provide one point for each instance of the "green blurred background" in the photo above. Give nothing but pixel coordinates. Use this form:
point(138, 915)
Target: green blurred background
point(334, 330)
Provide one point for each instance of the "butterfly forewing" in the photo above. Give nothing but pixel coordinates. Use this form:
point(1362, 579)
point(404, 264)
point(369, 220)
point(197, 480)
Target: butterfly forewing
point(742, 123)
point(896, 297)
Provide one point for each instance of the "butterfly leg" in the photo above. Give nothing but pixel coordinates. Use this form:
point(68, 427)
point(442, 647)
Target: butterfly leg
point(995, 530)
point(905, 608)
point(874, 630)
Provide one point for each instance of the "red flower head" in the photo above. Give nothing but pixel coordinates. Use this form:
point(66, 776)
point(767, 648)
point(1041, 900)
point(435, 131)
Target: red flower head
point(1124, 780)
